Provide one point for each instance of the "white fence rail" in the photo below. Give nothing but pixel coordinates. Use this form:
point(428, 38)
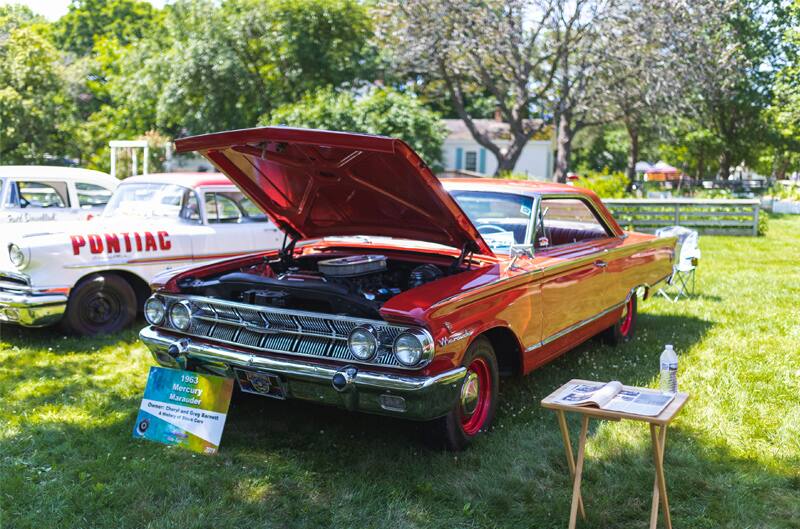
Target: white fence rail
point(713, 216)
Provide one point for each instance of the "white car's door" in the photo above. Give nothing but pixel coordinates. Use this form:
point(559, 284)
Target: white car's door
point(233, 226)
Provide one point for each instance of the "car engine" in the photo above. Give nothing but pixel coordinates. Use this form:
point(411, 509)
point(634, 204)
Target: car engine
point(354, 285)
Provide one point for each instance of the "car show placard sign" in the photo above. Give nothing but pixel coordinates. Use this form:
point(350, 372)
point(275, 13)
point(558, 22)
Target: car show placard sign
point(184, 408)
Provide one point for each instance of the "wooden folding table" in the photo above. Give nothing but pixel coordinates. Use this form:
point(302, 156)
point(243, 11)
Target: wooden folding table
point(658, 433)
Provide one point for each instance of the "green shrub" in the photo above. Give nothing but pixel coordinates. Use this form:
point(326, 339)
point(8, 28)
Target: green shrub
point(785, 192)
point(763, 223)
point(606, 184)
point(713, 193)
point(508, 175)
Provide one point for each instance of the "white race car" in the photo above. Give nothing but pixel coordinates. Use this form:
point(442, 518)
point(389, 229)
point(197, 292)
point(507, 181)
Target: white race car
point(93, 275)
point(40, 192)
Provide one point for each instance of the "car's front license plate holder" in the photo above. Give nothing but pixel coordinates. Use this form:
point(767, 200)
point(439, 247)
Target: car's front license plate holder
point(261, 383)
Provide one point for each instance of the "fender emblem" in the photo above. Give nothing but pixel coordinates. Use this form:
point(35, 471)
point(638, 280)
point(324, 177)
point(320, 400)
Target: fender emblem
point(455, 337)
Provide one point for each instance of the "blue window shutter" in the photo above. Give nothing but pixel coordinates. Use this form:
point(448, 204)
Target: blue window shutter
point(459, 157)
point(482, 162)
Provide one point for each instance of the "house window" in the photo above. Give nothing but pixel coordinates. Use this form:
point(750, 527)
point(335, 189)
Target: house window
point(471, 161)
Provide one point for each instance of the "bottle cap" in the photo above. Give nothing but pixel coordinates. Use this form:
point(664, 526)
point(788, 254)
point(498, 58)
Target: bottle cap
point(669, 346)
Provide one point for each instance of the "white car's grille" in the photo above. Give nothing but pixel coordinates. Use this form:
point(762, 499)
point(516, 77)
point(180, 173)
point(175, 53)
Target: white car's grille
point(281, 330)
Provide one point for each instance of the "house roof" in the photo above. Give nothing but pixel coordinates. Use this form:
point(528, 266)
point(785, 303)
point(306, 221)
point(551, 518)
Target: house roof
point(498, 130)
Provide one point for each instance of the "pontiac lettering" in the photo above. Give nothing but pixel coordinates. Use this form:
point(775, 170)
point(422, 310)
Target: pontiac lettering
point(126, 242)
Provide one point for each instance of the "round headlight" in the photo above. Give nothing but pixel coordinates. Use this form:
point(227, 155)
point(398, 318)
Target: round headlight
point(180, 315)
point(413, 347)
point(17, 256)
point(154, 311)
point(363, 342)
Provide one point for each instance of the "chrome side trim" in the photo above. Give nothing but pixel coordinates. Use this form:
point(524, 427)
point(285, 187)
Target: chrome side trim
point(564, 332)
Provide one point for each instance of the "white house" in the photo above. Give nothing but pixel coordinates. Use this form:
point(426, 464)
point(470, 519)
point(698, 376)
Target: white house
point(461, 152)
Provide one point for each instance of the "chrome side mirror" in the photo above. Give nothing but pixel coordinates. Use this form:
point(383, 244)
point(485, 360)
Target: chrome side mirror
point(520, 250)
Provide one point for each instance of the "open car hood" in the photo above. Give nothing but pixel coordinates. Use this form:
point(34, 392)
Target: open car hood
point(315, 183)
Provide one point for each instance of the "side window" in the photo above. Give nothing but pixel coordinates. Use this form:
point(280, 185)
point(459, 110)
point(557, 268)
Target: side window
point(190, 209)
point(30, 194)
point(91, 195)
point(221, 209)
point(566, 221)
point(251, 211)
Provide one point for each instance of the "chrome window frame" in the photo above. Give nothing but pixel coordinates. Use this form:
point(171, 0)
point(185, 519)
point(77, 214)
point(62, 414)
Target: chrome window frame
point(586, 201)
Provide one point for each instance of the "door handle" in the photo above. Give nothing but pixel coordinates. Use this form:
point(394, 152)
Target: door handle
point(600, 264)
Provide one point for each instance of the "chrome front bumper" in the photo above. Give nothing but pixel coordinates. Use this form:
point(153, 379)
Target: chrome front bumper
point(31, 310)
point(411, 397)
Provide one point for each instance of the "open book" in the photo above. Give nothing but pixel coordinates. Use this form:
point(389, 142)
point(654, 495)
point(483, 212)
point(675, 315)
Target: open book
point(613, 397)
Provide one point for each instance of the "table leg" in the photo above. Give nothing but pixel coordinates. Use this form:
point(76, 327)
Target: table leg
point(660, 486)
point(576, 485)
point(562, 423)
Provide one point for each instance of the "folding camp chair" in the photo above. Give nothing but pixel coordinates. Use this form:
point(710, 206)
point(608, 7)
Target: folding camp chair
point(682, 281)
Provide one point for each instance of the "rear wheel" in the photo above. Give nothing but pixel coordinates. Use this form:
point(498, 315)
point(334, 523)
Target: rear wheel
point(100, 304)
point(625, 327)
point(475, 409)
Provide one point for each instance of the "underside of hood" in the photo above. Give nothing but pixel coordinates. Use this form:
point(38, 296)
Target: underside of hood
point(315, 184)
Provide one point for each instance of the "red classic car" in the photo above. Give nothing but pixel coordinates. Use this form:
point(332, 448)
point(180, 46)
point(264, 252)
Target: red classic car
point(395, 293)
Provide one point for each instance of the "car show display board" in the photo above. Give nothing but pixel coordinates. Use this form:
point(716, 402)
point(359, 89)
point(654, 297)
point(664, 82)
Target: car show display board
point(184, 408)
point(658, 433)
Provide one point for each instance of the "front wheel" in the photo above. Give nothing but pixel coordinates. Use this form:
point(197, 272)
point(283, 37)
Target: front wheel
point(100, 304)
point(475, 409)
point(625, 327)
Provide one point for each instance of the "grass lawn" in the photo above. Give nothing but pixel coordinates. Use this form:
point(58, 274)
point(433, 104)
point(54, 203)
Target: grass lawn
point(67, 409)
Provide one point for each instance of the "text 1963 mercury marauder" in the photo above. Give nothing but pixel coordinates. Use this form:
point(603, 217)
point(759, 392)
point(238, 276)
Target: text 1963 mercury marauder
point(396, 294)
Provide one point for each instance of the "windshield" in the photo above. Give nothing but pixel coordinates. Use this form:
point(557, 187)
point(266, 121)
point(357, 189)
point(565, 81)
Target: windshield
point(502, 219)
point(153, 200)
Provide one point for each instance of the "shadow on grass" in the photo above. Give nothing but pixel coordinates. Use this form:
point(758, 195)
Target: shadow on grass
point(57, 339)
point(293, 464)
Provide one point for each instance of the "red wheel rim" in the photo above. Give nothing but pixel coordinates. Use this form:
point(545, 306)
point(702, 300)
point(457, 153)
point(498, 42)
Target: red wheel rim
point(627, 318)
point(477, 372)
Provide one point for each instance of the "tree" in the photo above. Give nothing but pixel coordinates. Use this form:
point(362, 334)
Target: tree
point(87, 21)
point(14, 16)
point(784, 111)
point(382, 111)
point(35, 112)
point(731, 48)
point(228, 65)
point(576, 33)
point(638, 82)
point(491, 47)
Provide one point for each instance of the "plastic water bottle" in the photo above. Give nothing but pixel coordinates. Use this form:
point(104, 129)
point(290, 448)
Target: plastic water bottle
point(669, 370)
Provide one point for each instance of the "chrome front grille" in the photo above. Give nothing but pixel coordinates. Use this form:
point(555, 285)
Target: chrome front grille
point(283, 331)
point(14, 282)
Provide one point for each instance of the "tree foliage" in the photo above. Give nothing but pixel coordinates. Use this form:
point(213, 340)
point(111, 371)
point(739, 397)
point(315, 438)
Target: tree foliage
point(705, 85)
point(34, 107)
point(382, 111)
point(478, 47)
point(87, 21)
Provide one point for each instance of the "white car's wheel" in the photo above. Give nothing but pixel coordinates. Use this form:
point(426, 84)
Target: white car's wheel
point(100, 304)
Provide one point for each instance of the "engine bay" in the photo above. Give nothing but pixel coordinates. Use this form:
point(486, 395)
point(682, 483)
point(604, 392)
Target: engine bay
point(353, 285)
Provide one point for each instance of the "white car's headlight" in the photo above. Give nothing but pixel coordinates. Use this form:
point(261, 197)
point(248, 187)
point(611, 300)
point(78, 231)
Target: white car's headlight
point(363, 342)
point(154, 311)
point(17, 256)
point(413, 347)
point(180, 315)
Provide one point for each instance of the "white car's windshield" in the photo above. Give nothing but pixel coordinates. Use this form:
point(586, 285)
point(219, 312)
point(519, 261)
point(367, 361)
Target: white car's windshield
point(153, 200)
point(501, 218)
